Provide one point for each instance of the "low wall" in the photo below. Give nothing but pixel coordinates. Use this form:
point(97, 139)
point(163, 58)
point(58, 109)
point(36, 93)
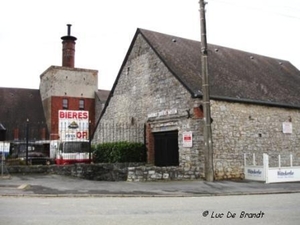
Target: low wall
point(100, 172)
point(153, 173)
point(110, 172)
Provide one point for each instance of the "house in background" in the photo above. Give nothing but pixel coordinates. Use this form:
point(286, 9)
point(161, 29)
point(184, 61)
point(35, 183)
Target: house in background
point(253, 99)
point(61, 87)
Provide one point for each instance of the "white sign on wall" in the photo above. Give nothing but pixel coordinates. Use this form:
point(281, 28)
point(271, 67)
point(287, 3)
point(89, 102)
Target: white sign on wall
point(187, 139)
point(287, 127)
point(163, 113)
point(73, 125)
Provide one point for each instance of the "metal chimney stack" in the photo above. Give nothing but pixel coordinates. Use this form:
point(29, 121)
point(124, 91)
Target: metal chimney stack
point(68, 51)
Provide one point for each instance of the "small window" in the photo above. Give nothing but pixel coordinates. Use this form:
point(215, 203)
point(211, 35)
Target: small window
point(65, 103)
point(81, 104)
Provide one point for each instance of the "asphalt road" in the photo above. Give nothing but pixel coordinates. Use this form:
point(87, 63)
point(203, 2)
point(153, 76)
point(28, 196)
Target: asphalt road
point(55, 185)
point(243, 209)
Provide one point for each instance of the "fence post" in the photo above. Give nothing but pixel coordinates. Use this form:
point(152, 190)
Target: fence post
point(279, 161)
point(266, 166)
point(245, 163)
point(291, 160)
point(254, 160)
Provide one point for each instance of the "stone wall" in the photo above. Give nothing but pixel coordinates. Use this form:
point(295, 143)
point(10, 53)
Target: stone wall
point(246, 128)
point(145, 87)
point(100, 172)
point(110, 172)
point(154, 173)
point(191, 159)
point(147, 92)
point(64, 81)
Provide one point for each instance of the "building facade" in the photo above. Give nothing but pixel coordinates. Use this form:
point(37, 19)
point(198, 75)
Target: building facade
point(160, 85)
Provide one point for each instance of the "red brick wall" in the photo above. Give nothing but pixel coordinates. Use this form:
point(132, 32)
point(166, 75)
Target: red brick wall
point(73, 104)
point(198, 112)
point(149, 144)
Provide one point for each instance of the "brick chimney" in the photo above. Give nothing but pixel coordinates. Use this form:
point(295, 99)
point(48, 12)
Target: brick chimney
point(68, 51)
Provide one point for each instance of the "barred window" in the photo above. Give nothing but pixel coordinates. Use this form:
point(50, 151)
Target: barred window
point(65, 103)
point(81, 104)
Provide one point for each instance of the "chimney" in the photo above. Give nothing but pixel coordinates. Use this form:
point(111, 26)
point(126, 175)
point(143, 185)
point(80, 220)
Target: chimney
point(68, 51)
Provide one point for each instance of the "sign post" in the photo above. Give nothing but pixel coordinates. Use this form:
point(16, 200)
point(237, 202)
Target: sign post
point(4, 149)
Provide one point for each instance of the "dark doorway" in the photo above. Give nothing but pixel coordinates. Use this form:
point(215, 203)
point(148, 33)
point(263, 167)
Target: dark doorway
point(2, 132)
point(166, 148)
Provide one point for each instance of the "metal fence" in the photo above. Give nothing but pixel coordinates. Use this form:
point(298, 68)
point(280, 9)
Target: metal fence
point(114, 132)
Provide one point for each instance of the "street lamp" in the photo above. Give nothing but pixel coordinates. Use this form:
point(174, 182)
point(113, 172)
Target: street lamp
point(27, 135)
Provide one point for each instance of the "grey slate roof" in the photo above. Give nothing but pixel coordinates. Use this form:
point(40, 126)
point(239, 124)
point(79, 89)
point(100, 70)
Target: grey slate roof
point(234, 75)
point(102, 95)
point(19, 104)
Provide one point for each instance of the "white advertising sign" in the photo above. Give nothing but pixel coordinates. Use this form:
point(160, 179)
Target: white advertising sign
point(187, 139)
point(73, 125)
point(4, 146)
point(255, 173)
point(284, 174)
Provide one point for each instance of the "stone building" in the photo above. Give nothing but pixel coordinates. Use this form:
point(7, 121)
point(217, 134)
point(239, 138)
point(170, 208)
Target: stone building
point(253, 99)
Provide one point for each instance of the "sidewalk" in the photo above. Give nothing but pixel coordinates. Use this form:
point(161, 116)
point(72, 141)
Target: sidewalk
point(37, 185)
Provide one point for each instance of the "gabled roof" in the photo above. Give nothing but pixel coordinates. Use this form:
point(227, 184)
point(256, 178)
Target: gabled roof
point(102, 95)
point(18, 105)
point(234, 75)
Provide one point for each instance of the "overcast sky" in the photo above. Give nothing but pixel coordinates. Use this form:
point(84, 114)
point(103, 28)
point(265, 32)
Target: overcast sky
point(30, 31)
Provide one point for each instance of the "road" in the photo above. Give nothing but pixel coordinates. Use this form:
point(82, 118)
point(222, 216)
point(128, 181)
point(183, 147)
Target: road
point(269, 209)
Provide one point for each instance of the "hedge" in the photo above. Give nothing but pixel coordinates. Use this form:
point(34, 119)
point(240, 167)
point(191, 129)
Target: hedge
point(119, 152)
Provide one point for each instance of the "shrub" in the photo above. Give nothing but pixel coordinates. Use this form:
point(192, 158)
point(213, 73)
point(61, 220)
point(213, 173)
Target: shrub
point(119, 152)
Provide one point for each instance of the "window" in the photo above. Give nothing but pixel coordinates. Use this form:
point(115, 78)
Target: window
point(81, 104)
point(65, 103)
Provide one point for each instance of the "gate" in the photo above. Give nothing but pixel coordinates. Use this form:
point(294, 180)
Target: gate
point(115, 132)
point(166, 148)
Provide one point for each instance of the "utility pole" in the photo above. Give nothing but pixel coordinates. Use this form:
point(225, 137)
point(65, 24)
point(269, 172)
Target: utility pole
point(209, 171)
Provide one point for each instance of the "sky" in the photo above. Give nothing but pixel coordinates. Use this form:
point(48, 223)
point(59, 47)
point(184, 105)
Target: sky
point(31, 31)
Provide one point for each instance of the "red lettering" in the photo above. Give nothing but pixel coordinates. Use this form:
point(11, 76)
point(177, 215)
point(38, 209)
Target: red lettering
point(82, 135)
point(61, 114)
point(73, 115)
point(187, 138)
point(85, 115)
